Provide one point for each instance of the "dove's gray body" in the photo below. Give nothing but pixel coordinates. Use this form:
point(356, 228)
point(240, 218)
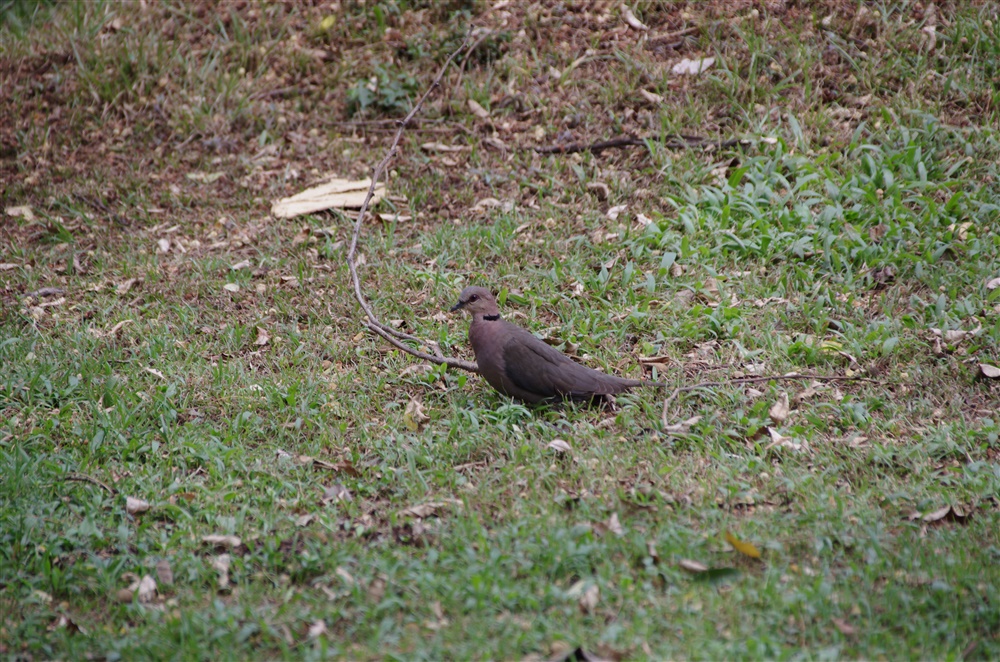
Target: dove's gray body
point(518, 364)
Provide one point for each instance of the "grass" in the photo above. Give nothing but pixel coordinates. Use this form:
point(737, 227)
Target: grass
point(856, 233)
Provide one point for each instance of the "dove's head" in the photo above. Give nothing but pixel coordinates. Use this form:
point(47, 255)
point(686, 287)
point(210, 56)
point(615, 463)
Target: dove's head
point(477, 301)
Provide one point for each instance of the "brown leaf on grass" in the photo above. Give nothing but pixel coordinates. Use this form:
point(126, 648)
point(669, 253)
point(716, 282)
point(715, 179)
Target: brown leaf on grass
point(317, 629)
point(22, 211)
point(335, 194)
point(262, 337)
point(143, 589)
point(344, 466)
point(346, 576)
point(682, 427)
point(955, 512)
point(156, 373)
point(989, 371)
point(687, 67)
point(135, 506)
point(615, 526)
point(164, 573)
point(441, 147)
point(478, 110)
point(221, 565)
point(993, 283)
point(652, 98)
point(632, 21)
point(126, 285)
point(811, 391)
point(376, 589)
point(222, 542)
point(414, 417)
point(743, 547)
point(687, 565)
point(844, 627)
point(613, 214)
point(651, 551)
point(63, 622)
point(779, 440)
point(336, 493)
point(205, 177)
point(559, 445)
point(430, 508)
point(779, 410)
point(600, 189)
point(588, 601)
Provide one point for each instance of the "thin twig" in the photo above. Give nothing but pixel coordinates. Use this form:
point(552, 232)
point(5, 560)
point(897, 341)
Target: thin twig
point(750, 380)
point(392, 335)
point(84, 478)
point(669, 141)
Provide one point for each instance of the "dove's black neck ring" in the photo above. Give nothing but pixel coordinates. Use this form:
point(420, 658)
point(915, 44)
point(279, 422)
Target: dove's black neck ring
point(491, 318)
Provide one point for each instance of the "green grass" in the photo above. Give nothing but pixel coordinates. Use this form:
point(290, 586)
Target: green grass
point(857, 228)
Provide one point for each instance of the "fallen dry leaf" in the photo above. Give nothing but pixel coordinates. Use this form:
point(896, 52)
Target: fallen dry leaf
point(231, 287)
point(845, 628)
point(559, 445)
point(441, 147)
point(262, 337)
point(632, 21)
point(589, 599)
point(936, 515)
point(743, 547)
point(164, 572)
point(478, 110)
point(615, 212)
point(427, 509)
point(156, 373)
point(683, 426)
point(414, 417)
point(688, 67)
point(336, 493)
point(22, 211)
point(376, 589)
point(126, 285)
point(989, 371)
point(67, 623)
point(135, 506)
point(993, 283)
point(692, 566)
point(145, 589)
point(600, 189)
point(779, 410)
point(221, 565)
point(346, 576)
point(205, 177)
point(615, 526)
point(652, 98)
point(780, 440)
point(317, 629)
point(335, 194)
point(222, 542)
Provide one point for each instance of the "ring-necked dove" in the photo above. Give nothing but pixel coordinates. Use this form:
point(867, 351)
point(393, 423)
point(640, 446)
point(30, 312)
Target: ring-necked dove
point(518, 364)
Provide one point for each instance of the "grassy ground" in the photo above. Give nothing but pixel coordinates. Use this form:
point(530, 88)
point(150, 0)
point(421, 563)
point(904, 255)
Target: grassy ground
point(855, 233)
